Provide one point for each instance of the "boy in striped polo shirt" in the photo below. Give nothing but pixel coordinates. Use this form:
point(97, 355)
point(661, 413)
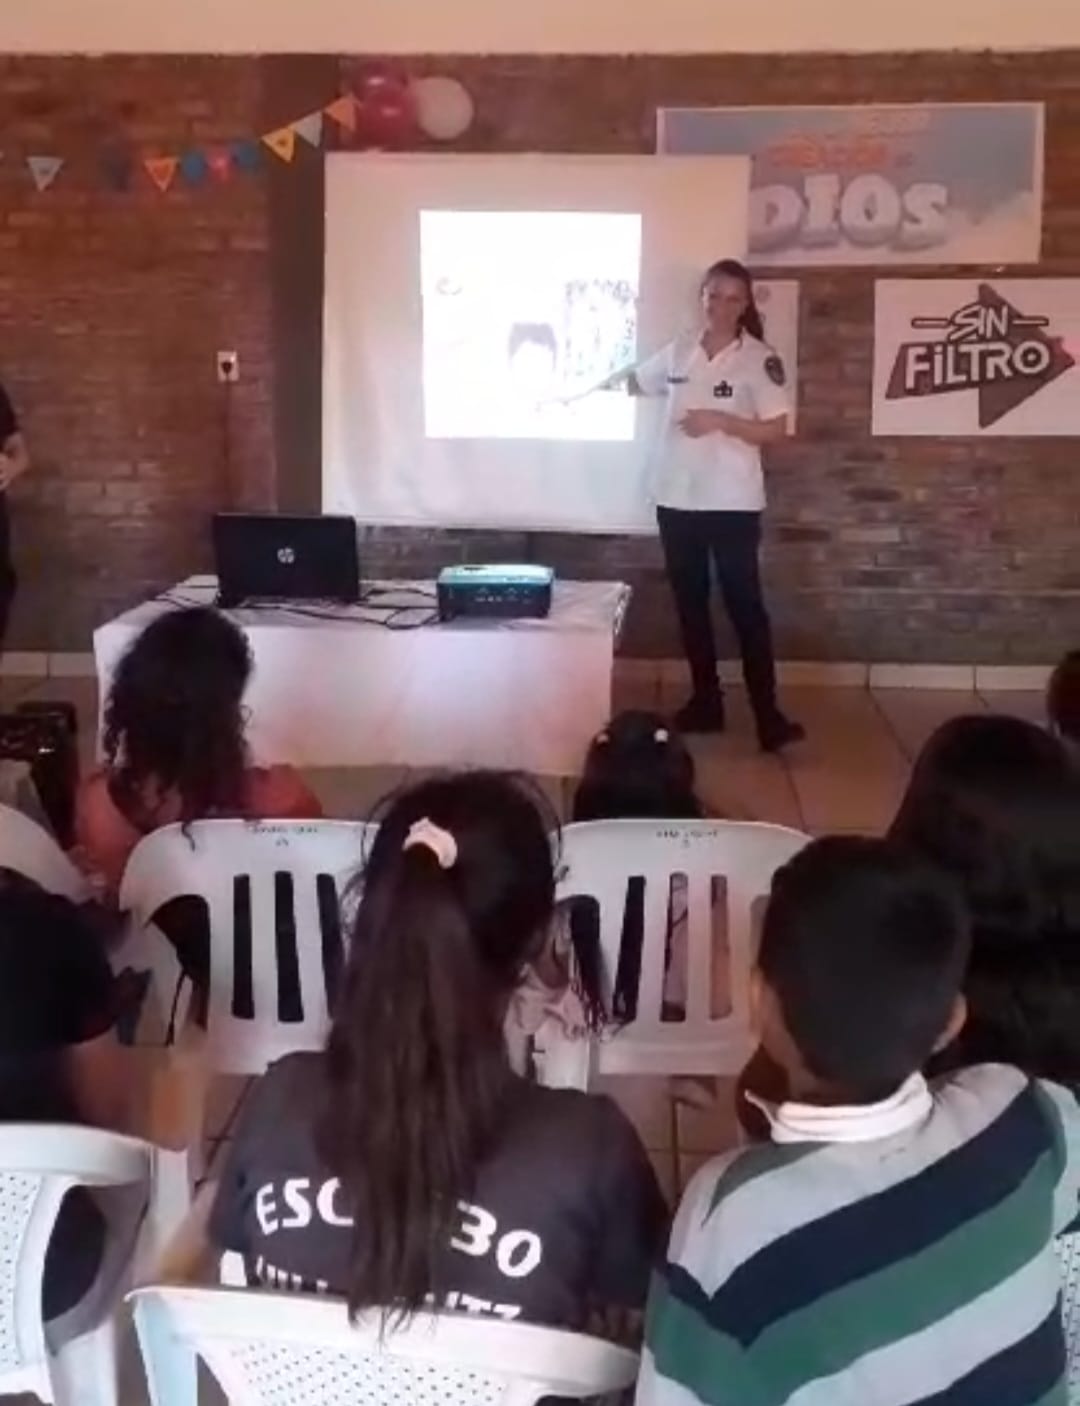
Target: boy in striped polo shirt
point(893, 1243)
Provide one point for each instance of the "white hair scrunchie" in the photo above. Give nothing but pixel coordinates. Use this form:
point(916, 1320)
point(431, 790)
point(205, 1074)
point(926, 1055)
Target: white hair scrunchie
point(425, 834)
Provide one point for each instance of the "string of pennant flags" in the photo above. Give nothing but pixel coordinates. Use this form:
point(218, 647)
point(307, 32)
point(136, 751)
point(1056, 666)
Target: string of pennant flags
point(391, 114)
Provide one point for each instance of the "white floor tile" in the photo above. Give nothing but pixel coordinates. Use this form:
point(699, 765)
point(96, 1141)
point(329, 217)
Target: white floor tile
point(353, 793)
point(663, 1164)
point(1024, 704)
point(850, 773)
point(709, 1129)
point(226, 1093)
point(915, 715)
point(646, 1102)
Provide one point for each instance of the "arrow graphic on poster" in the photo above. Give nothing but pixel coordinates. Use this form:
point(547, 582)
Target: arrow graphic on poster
point(989, 346)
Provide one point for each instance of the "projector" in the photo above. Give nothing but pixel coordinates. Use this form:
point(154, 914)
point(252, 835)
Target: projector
point(495, 592)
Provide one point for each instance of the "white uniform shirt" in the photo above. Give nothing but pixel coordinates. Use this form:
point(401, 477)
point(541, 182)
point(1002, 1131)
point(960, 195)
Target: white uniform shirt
point(717, 471)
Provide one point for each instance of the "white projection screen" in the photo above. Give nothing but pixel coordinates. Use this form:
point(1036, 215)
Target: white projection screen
point(473, 303)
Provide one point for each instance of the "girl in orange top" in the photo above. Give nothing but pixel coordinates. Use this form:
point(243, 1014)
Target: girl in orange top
point(174, 743)
point(175, 752)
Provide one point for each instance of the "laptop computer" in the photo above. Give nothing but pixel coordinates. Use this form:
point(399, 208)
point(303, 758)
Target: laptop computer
point(271, 556)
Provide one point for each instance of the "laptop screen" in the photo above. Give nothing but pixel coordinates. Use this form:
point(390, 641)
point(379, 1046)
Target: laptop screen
point(271, 556)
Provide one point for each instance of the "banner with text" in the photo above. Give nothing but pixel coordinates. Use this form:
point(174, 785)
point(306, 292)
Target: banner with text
point(951, 183)
point(966, 357)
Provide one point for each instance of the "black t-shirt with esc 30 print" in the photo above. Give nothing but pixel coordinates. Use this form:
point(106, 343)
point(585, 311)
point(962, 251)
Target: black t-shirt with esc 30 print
point(566, 1215)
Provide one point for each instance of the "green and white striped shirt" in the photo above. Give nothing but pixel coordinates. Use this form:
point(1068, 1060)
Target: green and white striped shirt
point(911, 1269)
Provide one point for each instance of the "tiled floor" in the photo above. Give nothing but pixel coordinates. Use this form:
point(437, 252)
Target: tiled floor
point(847, 776)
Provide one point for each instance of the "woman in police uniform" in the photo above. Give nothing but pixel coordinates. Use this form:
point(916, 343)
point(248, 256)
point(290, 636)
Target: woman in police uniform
point(726, 398)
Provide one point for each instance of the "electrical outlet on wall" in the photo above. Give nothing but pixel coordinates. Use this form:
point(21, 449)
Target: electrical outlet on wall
point(228, 367)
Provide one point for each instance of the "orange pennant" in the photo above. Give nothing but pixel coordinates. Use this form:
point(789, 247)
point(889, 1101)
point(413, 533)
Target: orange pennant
point(344, 112)
point(282, 142)
point(162, 170)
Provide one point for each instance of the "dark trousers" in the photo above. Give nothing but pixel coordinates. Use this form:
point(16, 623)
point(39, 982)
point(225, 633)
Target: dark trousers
point(7, 570)
point(729, 543)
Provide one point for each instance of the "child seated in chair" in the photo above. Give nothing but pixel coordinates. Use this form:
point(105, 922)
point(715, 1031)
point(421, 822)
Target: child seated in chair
point(407, 1167)
point(175, 751)
point(60, 1061)
point(638, 768)
point(893, 1241)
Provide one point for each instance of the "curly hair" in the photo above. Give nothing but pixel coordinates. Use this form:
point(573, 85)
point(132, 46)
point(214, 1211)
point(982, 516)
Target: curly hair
point(994, 801)
point(173, 721)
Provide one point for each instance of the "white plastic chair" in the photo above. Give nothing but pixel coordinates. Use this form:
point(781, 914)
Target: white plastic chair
point(599, 860)
point(1068, 1249)
point(71, 1360)
point(269, 1349)
point(30, 850)
point(273, 890)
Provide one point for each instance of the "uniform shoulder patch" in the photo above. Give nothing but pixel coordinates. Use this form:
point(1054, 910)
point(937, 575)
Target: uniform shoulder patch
point(774, 369)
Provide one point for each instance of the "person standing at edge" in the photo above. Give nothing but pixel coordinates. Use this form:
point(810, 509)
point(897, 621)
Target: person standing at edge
point(14, 461)
point(727, 397)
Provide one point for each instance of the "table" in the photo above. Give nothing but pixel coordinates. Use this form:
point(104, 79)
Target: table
point(334, 688)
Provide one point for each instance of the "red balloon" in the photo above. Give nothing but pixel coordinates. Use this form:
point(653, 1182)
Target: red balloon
point(378, 83)
point(386, 116)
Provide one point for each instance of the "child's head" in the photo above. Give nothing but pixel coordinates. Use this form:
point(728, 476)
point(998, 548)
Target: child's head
point(858, 981)
point(638, 767)
point(174, 718)
point(995, 803)
point(458, 893)
point(1063, 699)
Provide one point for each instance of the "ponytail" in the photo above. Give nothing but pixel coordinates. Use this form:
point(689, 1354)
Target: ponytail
point(750, 322)
point(417, 1067)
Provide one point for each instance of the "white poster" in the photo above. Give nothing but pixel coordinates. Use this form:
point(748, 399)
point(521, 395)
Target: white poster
point(778, 302)
point(977, 357)
point(474, 307)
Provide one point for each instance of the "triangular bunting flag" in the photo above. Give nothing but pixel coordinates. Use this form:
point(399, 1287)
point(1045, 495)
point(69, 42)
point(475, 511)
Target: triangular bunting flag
point(282, 142)
point(161, 170)
point(220, 161)
point(344, 112)
point(193, 167)
point(246, 156)
point(310, 128)
point(44, 169)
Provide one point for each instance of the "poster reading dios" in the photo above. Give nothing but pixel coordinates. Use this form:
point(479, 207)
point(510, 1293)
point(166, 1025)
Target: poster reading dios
point(946, 183)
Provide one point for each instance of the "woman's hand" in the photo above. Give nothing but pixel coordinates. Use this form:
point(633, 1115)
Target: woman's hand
point(696, 424)
point(699, 423)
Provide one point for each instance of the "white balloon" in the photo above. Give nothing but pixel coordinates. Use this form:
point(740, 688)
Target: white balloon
point(444, 107)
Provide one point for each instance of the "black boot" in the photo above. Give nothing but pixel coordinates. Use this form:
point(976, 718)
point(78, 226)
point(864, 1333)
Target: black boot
point(776, 732)
point(704, 712)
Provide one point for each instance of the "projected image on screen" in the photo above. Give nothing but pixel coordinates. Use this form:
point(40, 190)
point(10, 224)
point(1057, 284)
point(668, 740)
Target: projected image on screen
point(525, 313)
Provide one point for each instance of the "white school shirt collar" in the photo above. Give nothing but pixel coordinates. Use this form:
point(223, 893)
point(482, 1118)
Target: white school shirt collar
point(806, 1122)
point(732, 349)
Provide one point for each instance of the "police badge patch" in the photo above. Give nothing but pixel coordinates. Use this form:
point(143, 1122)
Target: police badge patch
point(774, 369)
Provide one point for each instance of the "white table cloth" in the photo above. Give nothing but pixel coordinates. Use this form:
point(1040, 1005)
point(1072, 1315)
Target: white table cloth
point(333, 688)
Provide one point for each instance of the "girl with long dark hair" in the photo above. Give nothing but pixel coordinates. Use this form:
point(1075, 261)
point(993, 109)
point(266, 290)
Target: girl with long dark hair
point(994, 801)
point(174, 743)
point(407, 1166)
point(727, 398)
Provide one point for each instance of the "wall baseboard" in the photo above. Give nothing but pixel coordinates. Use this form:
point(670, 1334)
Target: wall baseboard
point(967, 678)
point(38, 664)
point(981, 678)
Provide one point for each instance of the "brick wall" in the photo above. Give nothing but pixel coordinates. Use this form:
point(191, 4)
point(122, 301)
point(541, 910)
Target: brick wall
point(955, 550)
point(112, 307)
